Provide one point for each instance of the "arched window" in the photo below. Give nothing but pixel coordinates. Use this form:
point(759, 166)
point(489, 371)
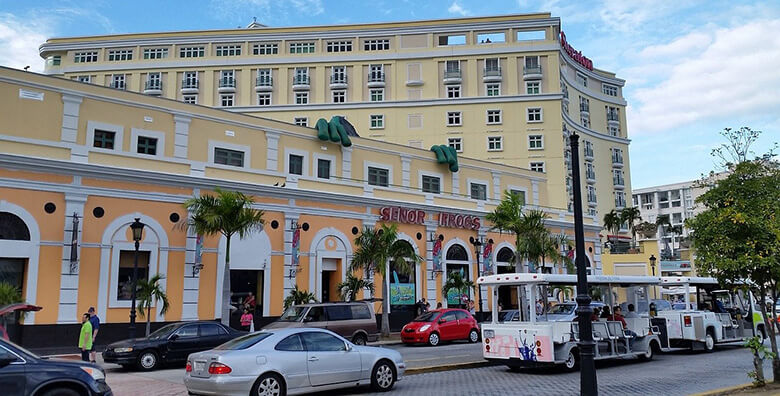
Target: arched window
point(403, 288)
point(457, 253)
point(505, 255)
point(13, 228)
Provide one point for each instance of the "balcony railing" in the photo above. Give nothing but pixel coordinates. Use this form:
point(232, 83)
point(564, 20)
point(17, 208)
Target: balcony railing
point(492, 72)
point(532, 71)
point(264, 81)
point(590, 175)
point(585, 107)
point(588, 152)
point(338, 79)
point(376, 77)
point(618, 181)
point(189, 83)
point(118, 85)
point(612, 116)
point(617, 159)
point(227, 82)
point(452, 74)
point(301, 80)
point(153, 85)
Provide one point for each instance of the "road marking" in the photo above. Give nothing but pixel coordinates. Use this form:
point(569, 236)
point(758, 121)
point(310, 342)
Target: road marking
point(438, 358)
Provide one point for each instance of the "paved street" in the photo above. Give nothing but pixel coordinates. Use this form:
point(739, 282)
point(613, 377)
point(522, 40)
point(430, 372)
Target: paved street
point(679, 373)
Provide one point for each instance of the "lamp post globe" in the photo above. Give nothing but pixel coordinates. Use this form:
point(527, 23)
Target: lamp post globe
point(138, 232)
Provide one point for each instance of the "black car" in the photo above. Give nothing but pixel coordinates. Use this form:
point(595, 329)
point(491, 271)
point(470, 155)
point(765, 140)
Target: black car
point(170, 344)
point(24, 373)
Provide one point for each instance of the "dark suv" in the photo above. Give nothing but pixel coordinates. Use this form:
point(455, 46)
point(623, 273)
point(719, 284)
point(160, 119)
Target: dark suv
point(23, 373)
point(354, 321)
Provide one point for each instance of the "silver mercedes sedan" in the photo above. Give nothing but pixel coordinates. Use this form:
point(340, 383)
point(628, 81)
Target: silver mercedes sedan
point(290, 362)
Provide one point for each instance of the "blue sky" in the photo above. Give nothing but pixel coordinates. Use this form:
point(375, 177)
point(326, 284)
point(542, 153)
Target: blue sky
point(692, 67)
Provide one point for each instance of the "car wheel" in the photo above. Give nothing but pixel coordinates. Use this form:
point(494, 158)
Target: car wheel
point(60, 392)
point(434, 339)
point(709, 341)
point(148, 360)
point(269, 385)
point(473, 336)
point(359, 339)
point(760, 334)
point(648, 355)
point(383, 376)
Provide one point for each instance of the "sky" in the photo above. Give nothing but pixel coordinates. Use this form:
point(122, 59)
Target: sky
point(692, 67)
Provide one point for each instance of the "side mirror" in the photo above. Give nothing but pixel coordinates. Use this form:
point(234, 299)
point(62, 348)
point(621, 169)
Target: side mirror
point(442, 320)
point(173, 337)
point(348, 347)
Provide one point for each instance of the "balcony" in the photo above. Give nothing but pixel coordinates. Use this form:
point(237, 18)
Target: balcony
point(592, 201)
point(338, 81)
point(376, 80)
point(617, 161)
point(618, 182)
point(301, 82)
point(118, 85)
point(264, 84)
point(452, 76)
point(613, 119)
point(532, 72)
point(590, 177)
point(588, 152)
point(189, 86)
point(153, 87)
point(227, 85)
point(584, 108)
point(491, 74)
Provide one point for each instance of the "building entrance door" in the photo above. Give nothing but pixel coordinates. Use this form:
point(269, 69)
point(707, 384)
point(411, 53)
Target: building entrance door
point(246, 291)
point(330, 279)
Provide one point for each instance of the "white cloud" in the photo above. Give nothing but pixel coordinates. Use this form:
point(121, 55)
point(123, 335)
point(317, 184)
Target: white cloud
point(455, 8)
point(726, 73)
point(19, 41)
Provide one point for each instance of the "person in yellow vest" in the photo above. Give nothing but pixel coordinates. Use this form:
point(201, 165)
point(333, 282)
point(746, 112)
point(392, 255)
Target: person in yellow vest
point(85, 337)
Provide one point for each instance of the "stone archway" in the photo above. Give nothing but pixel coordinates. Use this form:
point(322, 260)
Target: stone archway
point(456, 255)
point(251, 253)
point(330, 252)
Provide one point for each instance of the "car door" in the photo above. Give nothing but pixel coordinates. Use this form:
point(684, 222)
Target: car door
point(329, 360)
point(13, 379)
point(316, 318)
point(448, 326)
point(211, 335)
point(182, 342)
point(340, 319)
point(290, 358)
point(464, 324)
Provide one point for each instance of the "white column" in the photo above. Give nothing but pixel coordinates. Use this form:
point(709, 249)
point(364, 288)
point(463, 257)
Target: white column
point(182, 135)
point(496, 185)
point(272, 154)
point(69, 278)
point(430, 228)
point(346, 162)
point(405, 171)
point(191, 290)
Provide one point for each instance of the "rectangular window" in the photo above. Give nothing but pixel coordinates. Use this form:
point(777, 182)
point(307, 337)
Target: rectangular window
point(533, 87)
point(431, 184)
point(495, 143)
point(228, 157)
point(588, 148)
point(676, 218)
point(323, 168)
point(519, 193)
point(376, 45)
point(301, 121)
point(226, 100)
point(296, 164)
point(478, 191)
point(534, 114)
point(120, 55)
point(338, 46)
point(591, 194)
point(456, 143)
point(301, 98)
point(55, 60)
point(620, 199)
point(229, 50)
point(377, 121)
point(154, 81)
point(590, 174)
point(452, 66)
point(339, 96)
point(192, 52)
point(454, 39)
point(487, 38)
point(493, 117)
point(264, 78)
point(377, 95)
point(190, 80)
point(453, 118)
point(265, 49)
point(493, 89)
point(617, 179)
point(585, 121)
point(537, 166)
point(582, 79)
point(378, 176)
point(376, 73)
point(610, 90)
point(155, 53)
point(84, 79)
point(338, 75)
point(192, 99)
point(302, 48)
point(301, 76)
point(85, 57)
point(535, 142)
point(264, 99)
point(104, 139)
point(118, 81)
point(453, 91)
point(147, 145)
point(124, 282)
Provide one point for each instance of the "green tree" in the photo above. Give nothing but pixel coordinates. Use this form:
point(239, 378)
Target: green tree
point(9, 294)
point(227, 213)
point(737, 236)
point(376, 249)
point(349, 289)
point(612, 221)
point(631, 216)
point(149, 293)
point(528, 227)
point(550, 245)
point(455, 281)
point(298, 297)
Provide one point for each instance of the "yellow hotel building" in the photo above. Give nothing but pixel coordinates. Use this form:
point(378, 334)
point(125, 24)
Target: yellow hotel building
point(79, 162)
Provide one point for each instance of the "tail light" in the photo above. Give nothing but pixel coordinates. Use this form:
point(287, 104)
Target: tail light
point(487, 348)
point(189, 367)
point(687, 320)
point(219, 368)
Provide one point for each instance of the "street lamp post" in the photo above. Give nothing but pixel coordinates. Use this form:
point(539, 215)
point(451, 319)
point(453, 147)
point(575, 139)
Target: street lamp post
point(477, 242)
point(652, 268)
point(138, 231)
point(588, 382)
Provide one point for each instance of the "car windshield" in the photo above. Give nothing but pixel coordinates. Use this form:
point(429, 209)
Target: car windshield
point(561, 309)
point(162, 332)
point(426, 317)
point(244, 341)
point(293, 314)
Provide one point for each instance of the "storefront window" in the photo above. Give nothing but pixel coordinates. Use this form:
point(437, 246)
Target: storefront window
point(457, 261)
point(125, 277)
point(403, 290)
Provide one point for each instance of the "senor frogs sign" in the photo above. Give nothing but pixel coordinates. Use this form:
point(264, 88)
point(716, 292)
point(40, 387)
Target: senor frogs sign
point(417, 216)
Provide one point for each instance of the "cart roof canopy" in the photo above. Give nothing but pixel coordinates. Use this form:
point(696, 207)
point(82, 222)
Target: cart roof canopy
point(526, 278)
point(688, 280)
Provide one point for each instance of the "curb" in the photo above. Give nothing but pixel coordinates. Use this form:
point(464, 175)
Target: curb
point(727, 390)
point(447, 367)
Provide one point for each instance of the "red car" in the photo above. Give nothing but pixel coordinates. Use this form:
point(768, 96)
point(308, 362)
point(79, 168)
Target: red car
point(441, 325)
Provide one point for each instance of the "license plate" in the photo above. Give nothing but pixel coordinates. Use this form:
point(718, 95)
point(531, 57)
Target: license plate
point(200, 366)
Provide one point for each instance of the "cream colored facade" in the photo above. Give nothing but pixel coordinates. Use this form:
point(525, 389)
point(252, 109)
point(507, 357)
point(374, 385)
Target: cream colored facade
point(396, 82)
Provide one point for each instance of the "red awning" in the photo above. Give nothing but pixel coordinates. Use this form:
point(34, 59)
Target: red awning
point(5, 309)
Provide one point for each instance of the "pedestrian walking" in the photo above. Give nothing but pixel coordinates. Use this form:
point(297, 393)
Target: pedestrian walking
point(438, 305)
point(94, 320)
point(246, 320)
point(472, 307)
point(85, 337)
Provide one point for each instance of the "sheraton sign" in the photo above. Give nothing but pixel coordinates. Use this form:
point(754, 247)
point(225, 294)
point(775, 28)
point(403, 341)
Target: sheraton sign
point(417, 216)
point(574, 54)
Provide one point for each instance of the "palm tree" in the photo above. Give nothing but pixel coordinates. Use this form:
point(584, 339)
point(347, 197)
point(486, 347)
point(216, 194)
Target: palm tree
point(456, 282)
point(551, 244)
point(630, 216)
point(298, 297)
point(150, 292)
point(227, 213)
point(612, 221)
point(9, 294)
point(348, 290)
point(527, 226)
point(376, 250)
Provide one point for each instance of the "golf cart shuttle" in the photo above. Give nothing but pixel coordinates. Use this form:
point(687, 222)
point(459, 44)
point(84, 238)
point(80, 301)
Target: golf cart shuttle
point(539, 338)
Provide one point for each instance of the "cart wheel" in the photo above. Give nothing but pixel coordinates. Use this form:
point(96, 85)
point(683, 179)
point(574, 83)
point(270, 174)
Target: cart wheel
point(572, 360)
point(709, 341)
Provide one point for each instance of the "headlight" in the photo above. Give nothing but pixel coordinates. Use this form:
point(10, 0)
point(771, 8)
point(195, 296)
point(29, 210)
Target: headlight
point(97, 374)
point(425, 327)
point(123, 350)
point(489, 334)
